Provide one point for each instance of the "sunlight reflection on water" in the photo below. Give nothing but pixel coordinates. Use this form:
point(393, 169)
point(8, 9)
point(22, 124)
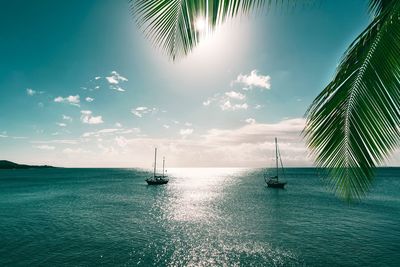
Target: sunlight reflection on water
point(194, 192)
point(196, 214)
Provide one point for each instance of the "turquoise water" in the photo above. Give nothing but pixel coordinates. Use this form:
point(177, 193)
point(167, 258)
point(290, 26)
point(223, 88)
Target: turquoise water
point(203, 217)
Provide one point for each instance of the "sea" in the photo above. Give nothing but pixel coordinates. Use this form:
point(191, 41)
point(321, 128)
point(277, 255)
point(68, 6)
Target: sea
point(202, 217)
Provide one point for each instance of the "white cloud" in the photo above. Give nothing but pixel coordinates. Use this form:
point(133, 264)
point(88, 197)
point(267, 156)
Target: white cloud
point(5, 135)
point(251, 144)
point(258, 106)
point(166, 126)
point(117, 124)
point(88, 118)
point(250, 121)
point(140, 111)
point(257, 132)
point(72, 100)
point(114, 80)
point(211, 100)
point(111, 131)
point(235, 95)
point(66, 141)
point(61, 124)
point(97, 77)
point(188, 124)
point(136, 113)
point(229, 101)
point(30, 92)
point(121, 141)
point(66, 118)
point(228, 106)
point(207, 102)
point(107, 150)
point(45, 147)
point(129, 131)
point(241, 106)
point(254, 80)
point(117, 88)
point(186, 132)
point(89, 99)
point(101, 132)
point(19, 137)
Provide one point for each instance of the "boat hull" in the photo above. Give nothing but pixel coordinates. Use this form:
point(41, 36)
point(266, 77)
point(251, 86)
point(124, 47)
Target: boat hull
point(157, 181)
point(276, 184)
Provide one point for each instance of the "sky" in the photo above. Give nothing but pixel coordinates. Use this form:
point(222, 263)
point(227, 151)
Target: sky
point(81, 86)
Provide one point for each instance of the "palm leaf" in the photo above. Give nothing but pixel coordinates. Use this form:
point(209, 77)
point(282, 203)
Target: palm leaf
point(353, 125)
point(170, 24)
point(377, 6)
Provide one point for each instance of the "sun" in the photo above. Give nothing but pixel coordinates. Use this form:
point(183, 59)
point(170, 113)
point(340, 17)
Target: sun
point(200, 25)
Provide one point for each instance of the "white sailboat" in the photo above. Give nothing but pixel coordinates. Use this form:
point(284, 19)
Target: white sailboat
point(157, 179)
point(274, 180)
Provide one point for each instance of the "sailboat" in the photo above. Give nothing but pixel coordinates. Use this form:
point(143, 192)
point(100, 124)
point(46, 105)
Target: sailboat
point(274, 181)
point(157, 179)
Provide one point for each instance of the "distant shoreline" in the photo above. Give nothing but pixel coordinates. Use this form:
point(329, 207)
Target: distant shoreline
point(9, 165)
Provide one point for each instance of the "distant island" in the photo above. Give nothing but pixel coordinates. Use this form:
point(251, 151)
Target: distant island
point(5, 165)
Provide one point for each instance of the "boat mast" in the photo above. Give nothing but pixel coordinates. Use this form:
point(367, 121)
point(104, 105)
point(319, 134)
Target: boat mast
point(155, 162)
point(163, 164)
point(276, 156)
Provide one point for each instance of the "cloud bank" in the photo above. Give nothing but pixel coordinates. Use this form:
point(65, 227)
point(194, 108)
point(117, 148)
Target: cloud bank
point(251, 145)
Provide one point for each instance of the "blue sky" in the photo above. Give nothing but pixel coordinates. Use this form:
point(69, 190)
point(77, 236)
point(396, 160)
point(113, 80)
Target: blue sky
point(81, 86)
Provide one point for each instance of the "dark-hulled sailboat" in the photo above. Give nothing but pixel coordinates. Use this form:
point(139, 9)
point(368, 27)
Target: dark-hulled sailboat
point(274, 181)
point(157, 179)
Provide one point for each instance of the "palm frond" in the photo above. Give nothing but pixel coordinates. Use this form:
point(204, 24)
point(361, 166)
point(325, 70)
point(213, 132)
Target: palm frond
point(377, 6)
point(353, 125)
point(170, 24)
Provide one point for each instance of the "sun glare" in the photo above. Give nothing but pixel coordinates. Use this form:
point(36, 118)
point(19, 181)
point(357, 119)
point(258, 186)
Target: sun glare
point(200, 25)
